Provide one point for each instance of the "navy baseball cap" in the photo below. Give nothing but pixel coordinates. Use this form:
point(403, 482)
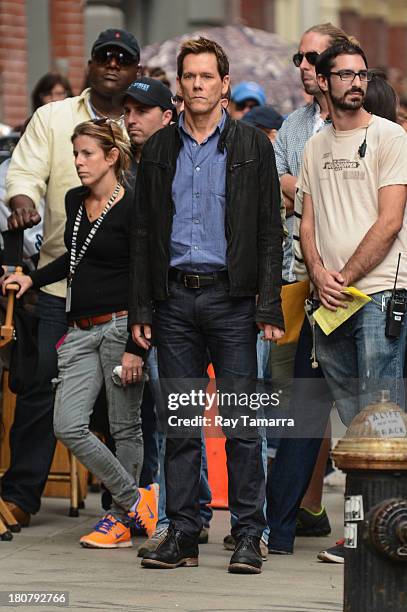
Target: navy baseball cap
point(248, 90)
point(117, 38)
point(264, 116)
point(150, 92)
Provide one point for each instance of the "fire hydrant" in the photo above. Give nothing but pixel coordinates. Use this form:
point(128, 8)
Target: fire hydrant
point(373, 454)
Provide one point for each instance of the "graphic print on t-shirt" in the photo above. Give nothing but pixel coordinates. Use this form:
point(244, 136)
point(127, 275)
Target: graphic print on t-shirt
point(348, 167)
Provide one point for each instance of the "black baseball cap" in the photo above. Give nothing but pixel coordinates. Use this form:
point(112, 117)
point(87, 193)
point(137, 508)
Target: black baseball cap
point(150, 92)
point(117, 38)
point(264, 116)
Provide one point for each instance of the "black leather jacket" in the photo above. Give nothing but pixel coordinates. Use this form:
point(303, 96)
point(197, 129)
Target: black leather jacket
point(253, 226)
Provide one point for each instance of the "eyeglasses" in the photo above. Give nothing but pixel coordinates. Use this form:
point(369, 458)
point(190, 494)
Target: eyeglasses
point(350, 75)
point(310, 56)
point(122, 58)
point(106, 121)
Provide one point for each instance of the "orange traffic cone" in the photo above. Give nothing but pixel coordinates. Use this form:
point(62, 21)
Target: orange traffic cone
point(216, 454)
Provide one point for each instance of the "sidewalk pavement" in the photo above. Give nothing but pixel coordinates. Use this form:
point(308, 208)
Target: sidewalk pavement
point(47, 557)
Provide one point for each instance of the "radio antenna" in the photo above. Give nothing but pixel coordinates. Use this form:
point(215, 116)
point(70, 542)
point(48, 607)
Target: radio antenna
point(397, 273)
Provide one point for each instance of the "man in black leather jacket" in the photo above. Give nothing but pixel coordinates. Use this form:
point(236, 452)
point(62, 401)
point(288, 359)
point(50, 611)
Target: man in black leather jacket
point(207, 239)
point(252, 224)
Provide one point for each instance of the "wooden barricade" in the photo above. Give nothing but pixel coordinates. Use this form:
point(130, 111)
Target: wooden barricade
point(67, 478)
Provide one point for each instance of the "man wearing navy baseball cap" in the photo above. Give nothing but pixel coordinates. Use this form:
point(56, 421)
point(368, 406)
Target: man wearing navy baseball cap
point(148, 107)
point(245, 96)
point(266, 118)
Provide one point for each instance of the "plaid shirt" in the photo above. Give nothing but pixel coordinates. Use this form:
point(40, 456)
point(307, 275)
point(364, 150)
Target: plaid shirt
point(292, 137)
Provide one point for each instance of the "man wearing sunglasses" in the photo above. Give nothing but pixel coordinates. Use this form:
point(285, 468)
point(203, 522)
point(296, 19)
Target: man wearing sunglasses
point(43, 166)
point(294, 500)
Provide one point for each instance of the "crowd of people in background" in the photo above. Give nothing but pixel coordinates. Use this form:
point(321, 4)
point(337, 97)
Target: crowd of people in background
point(159, 227)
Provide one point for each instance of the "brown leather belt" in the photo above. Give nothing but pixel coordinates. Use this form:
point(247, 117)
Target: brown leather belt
point(88, 322)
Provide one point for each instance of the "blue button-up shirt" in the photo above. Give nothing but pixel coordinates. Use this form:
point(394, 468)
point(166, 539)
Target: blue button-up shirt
point(198, 242)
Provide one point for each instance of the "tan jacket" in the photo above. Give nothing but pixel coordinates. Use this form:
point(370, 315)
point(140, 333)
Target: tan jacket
point(42, 165)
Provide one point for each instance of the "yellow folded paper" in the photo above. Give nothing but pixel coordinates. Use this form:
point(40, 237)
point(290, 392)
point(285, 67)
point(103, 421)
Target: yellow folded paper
point(329, 320)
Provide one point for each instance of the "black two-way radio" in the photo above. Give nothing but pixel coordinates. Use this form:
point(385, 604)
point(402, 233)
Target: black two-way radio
point(396, 310)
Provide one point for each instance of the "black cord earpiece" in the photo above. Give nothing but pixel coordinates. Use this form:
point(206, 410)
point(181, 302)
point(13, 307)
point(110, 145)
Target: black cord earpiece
point(363, 146)
point(362, 149)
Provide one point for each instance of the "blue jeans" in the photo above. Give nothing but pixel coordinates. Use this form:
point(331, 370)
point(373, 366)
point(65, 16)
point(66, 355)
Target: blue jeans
point(205, 494)
point(149, 473)
point(32, 440)
point(186, 325)
point(275, 370)
point(296, 457)
point(264, 456)
point(359, 361)
point(263, 349)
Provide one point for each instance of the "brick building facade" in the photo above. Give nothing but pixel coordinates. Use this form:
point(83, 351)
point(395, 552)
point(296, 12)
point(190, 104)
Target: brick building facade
point(13, 61)
point(66, 52)
point(63, 30)
point(67, 38)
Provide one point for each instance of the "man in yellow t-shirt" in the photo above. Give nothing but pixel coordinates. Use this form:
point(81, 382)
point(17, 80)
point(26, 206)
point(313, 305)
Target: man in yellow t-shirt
point(354, 178)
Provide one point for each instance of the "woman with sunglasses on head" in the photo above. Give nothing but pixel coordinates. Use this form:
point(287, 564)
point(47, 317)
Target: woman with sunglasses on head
point(96, 266)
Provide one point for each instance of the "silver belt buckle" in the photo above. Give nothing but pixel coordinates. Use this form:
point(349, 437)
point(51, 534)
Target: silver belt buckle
point(191, 281)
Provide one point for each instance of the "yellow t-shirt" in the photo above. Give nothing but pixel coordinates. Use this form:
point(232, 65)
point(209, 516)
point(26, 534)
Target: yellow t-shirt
point(344, 189)
point(42, 166)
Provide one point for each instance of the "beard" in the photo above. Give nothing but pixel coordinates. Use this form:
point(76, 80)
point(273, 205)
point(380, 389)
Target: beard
point(345, 104)
point(310, 86)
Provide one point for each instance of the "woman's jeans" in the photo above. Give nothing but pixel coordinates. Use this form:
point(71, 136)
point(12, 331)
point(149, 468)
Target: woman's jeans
point(85, 359)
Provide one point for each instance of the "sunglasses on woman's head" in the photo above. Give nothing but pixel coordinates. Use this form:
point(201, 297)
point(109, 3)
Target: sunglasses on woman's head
point(106, 121)
point(310, 56)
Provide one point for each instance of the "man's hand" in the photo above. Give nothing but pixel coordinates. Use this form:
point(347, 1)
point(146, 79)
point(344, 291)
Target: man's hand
point(23, 218)
point(24, 214)
point(132, 368)
point(141, 335)
point(271, 332)
point(330, 285)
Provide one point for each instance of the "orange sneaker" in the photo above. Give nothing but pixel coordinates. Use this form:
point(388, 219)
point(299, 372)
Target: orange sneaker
point(108, 533)
point(145, 514)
